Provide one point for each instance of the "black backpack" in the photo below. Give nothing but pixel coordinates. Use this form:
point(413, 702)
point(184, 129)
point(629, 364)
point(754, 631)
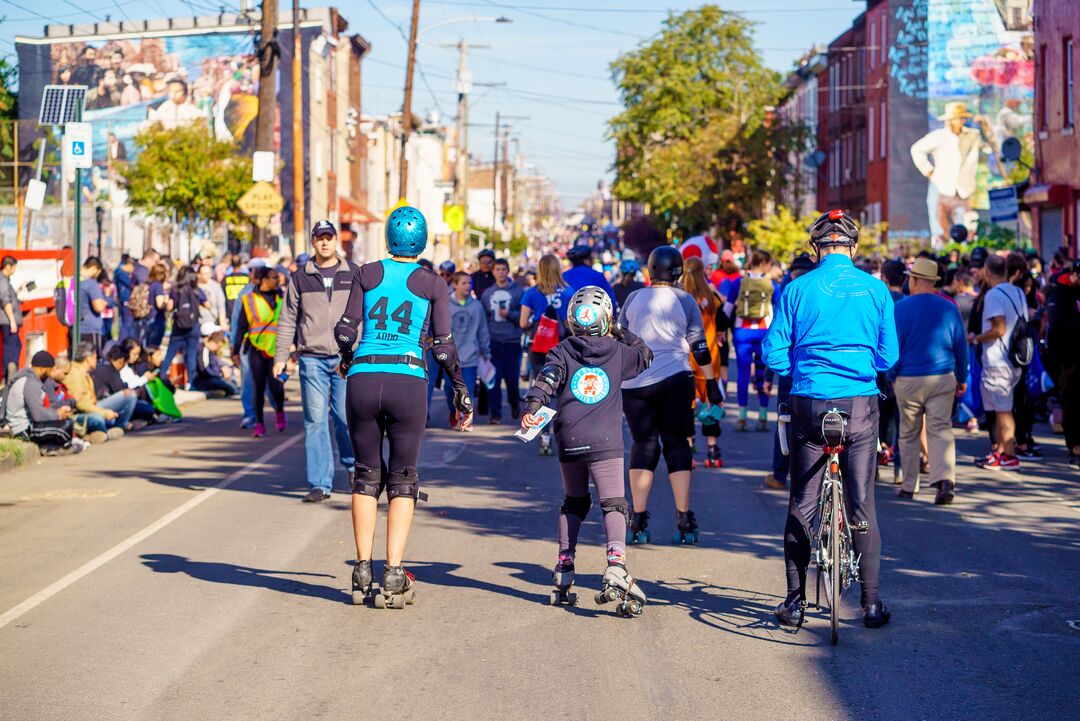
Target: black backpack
point(186, 313)
point(1023, 340)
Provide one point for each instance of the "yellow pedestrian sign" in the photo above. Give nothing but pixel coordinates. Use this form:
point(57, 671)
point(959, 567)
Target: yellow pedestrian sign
point(400, 204)
point(261, 202)
point(454, 217)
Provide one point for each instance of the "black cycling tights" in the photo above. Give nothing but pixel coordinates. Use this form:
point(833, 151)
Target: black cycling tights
point(661, 419)
point(858, 468)
point(391, 406)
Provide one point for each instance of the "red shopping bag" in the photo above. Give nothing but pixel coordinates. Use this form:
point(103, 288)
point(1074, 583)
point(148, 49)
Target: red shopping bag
point(547, 334)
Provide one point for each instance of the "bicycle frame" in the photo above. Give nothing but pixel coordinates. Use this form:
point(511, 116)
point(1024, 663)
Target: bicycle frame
point(832, 514)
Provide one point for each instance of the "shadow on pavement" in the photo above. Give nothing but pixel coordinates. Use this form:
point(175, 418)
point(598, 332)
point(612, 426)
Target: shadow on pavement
point(437, 573)
point(233, 574)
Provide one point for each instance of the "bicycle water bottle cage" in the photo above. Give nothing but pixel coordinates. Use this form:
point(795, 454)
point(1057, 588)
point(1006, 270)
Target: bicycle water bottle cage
point(834, 428)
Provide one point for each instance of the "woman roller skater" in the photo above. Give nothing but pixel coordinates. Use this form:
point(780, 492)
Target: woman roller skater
point(398, 303)
point(697, 285)
point(584, 372)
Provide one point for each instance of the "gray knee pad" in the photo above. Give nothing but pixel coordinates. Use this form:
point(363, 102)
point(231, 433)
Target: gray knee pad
point(619, 504)
point(645, 456)
point(367, 481)
point(404, 484)
point(576, 506)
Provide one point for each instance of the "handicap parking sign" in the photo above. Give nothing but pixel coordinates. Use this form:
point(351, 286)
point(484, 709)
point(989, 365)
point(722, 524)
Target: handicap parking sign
point(78, 148)
point(78, 144)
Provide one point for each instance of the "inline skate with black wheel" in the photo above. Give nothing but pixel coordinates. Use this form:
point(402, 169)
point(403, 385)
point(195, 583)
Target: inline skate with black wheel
point(621, 588)
point(686, 528)
point(563, 579)
point(361, 583)
point(545, 444)
point(637, 532)
point(397, 588)
point(714, 458)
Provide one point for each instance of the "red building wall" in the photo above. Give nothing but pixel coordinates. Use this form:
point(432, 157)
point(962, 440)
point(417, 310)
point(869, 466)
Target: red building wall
point(877, 113)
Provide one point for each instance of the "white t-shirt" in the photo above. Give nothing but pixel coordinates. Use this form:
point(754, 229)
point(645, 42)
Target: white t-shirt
point(1004, 300)
point(669, 321)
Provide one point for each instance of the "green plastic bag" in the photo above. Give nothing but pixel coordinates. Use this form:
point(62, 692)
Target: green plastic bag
point(162, 398)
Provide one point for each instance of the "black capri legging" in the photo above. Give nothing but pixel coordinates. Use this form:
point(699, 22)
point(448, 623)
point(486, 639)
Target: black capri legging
point(262, 377)
point(391, 406)
point(661, 416)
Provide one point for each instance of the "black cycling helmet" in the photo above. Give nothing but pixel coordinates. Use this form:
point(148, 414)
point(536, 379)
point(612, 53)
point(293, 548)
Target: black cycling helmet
point(834, 228)
point(979, 255)
point(579, 254)
point(665, 264)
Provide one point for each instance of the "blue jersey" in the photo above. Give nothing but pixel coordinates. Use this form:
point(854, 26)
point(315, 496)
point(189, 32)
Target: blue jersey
point(582, 275)
point(397, 298)
point(833, 331)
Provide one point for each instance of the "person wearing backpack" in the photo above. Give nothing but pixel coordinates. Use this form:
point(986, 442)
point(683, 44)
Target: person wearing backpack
point(1003, 340)
point(750, 300)
point(185, 301)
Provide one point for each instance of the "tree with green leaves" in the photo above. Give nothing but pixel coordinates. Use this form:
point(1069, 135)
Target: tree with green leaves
point(781, 234)
point(698, 139)
point(186, 174)
point(9, 114)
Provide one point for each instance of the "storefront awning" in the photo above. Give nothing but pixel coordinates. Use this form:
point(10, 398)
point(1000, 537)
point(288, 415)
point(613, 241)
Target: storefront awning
point(1047, 194)
point(350, 212)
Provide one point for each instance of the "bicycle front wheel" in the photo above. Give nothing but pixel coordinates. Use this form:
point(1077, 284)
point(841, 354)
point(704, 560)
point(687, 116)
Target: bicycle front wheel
point(834, 554)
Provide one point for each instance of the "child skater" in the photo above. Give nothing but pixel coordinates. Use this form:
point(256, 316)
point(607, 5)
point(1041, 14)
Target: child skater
point(584, 372)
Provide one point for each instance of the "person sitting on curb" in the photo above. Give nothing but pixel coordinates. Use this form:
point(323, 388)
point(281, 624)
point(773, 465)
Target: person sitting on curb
point(210, 374)
point(109, 379)
point(104, 419)
point(29, 419)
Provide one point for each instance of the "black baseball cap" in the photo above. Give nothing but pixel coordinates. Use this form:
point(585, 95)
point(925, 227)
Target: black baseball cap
point(323, 227)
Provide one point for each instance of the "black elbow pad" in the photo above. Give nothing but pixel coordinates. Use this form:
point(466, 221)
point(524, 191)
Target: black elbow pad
point(552, 376)
point(700, 351)
point(444, 350)
point(345, 333)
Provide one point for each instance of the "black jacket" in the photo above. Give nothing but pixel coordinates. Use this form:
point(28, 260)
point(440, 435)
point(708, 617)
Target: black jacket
point(590, 373)
point(107, 380)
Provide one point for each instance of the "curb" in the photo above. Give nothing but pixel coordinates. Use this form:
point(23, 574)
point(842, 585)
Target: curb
point(31, 453)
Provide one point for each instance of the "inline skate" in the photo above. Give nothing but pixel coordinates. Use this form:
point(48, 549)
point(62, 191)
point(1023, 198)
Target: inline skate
point(397, 588)
point(686, 528)
point(623, 589)
point(714, 458)
point(545, 444)
point(563, 579)
point(637, 532)
point(361, 583)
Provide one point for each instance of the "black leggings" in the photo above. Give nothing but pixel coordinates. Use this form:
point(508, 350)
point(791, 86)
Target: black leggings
point(858, 467)
point(391, 406)
point(262, 370)
point(661, 416)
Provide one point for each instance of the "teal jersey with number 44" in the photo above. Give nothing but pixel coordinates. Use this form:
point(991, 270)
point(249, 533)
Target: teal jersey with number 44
point(394, 322)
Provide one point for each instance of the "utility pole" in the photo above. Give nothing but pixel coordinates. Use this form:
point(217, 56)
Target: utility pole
point(406, 111)
point(268, 53)
point(495, 181)
point(299, 210)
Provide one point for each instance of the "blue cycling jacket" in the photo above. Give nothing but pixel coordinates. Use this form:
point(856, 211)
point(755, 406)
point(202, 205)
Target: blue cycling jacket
point(833, 332)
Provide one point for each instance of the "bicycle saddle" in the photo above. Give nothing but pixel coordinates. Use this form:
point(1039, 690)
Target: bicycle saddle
point(834, 426)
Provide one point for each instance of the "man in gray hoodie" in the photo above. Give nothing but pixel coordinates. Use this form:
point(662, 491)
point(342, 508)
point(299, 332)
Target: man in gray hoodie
point(27, 415)
point(502, 304)
point(469, 326)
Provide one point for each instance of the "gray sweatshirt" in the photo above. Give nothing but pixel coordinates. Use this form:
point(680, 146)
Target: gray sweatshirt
point(494, 299)
point(469, 326)
point(25, 402)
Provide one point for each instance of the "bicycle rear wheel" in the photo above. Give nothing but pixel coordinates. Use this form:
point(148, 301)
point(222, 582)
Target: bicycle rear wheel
point(834, 554)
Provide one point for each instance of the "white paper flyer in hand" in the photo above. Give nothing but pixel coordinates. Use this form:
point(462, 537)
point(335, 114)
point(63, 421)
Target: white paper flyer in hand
point(485, 370)
point(545, 415)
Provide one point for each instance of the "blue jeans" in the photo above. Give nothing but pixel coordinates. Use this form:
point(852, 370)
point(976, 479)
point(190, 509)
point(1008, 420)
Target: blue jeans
point(189, 341)
point(748, 350)
point(469, 375)
point(506, 357)
point(124, 405)
point(322, 390)
point(127, 323)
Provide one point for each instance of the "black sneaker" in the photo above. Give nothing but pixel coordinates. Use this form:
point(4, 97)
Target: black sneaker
point(1030, 454)
point(945, 493)
point(316, 495)
point(876, 614)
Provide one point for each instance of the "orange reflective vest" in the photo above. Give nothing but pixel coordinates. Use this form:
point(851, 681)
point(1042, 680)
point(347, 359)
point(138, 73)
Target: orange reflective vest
point(262, 322)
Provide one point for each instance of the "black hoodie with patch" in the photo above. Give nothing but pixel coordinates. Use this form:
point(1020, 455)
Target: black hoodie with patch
point(588, 373)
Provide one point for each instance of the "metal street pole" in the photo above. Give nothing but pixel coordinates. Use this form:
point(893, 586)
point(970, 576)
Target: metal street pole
point(267, 53)
point(495, 182)
point(406, 111)
point(299, 209)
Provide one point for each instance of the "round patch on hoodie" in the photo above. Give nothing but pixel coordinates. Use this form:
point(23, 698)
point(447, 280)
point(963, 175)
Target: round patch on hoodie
point(590, 385)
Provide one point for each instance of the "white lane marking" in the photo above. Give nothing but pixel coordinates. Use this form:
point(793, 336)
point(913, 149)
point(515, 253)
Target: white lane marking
point(48, 592)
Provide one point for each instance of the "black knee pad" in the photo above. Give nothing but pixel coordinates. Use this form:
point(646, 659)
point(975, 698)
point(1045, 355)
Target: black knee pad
point(645, 456)
point(576, 506)
point(710, 430)
point(678, 456)
point(404, 484)
point(367, 481)
point(619, 504)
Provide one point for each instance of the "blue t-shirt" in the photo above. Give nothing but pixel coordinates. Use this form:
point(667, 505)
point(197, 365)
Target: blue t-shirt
point(582, 275)
point(157, 315)
point(932, 338)
point(89, 321)
point(537, 302)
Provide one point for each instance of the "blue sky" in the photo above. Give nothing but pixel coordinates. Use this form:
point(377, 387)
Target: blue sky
point(551, 61)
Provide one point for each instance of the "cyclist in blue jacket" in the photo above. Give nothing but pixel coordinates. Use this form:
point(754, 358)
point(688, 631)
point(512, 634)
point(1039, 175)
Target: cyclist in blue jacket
point(833, 332)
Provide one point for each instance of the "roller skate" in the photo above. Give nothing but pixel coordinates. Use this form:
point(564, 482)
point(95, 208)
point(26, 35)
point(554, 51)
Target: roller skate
point(714, 458)
point(740, 422)
point(545, 444)
point(397, 588)
point(637, 532)
point(623, 589)
point(563, 578)
point(361, 583)
point(687, 528)
point(763, 421)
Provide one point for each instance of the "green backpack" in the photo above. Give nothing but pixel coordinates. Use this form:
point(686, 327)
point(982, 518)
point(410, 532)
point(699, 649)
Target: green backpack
point(755, 298)
point(162, 398)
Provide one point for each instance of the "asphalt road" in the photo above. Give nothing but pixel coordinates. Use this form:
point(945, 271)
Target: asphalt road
point(176, 575)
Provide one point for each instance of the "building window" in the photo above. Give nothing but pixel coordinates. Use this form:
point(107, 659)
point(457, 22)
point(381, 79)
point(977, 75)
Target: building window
point(884, 135)
point(873, 39)
point(870, 125)
point(1068, 75)
point(883, 46)
point(1040, 89)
